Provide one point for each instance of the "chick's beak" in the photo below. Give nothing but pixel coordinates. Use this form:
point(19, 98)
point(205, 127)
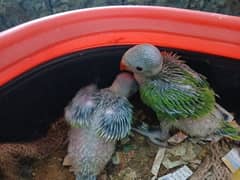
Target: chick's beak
point(123, 66)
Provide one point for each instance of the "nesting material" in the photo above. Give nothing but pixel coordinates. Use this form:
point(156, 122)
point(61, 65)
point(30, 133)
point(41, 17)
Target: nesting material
point(212, 166)
point(128, 174)
point(158, 161)
point(181, 174)
point(12, 153)
point(181, 154)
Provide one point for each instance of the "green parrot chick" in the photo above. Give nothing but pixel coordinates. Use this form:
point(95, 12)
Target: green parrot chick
point(179, 96)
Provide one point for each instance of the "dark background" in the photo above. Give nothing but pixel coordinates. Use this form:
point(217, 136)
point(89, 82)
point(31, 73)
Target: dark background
point(13, 12)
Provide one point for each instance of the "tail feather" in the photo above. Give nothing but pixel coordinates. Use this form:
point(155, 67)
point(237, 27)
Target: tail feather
point(85, 177)
point(230, 130)
point(229, 127)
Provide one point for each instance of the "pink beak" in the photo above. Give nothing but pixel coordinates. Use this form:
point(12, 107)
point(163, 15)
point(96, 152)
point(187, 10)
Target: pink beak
point(123, 66)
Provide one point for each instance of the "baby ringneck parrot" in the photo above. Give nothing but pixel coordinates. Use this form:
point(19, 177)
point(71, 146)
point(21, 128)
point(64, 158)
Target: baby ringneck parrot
point(98, 118)
point(180, 97)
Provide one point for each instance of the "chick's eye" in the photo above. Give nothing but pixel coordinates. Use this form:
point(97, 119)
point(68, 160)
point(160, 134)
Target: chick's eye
point(139, 68)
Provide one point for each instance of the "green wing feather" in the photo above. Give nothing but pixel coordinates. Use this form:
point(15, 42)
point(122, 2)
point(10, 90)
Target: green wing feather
point(230, 130)
point(178, 92)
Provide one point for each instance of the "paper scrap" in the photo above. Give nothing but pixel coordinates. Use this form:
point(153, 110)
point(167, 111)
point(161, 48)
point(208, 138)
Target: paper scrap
point(181, 174)
point(67, 161)
point(116, 158)
point(177, 138)
point(192, 150)
point(167, 177)
point(158, 161)
point(181, 154)
point(154, 178)
point(168, 164)
point(232, 159)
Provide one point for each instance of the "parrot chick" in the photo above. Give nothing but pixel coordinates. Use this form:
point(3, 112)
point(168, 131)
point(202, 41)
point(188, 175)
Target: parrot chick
point(98, 118)
point(180, 97)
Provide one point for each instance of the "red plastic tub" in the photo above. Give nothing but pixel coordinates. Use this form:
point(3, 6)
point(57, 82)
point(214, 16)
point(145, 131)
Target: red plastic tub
point(45, 61)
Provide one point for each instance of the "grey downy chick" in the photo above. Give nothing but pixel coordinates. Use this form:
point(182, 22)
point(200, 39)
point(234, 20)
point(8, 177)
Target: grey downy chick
point(98, 118)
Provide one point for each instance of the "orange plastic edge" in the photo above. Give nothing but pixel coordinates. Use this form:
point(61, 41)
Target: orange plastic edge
point(31, 44)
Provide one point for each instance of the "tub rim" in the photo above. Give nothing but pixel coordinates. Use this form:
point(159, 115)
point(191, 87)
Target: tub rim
point(39, 41)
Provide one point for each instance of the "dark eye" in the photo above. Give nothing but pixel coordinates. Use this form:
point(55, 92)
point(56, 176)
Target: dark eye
point(139, 68)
